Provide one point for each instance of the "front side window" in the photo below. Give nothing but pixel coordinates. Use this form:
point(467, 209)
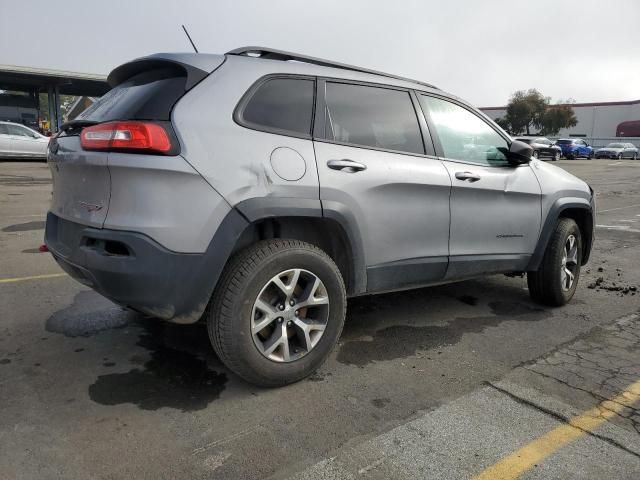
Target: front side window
point(281, 104)
point(3, 129)
point(463, 135)
point(372, 117)
point(19, 131)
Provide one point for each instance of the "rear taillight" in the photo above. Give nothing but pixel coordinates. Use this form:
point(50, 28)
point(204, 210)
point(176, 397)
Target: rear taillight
point(127, 136)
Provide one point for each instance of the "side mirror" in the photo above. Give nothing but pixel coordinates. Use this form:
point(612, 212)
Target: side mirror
point(519, 153)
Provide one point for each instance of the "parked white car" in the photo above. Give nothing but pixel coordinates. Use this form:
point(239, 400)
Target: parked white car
point(18, 141)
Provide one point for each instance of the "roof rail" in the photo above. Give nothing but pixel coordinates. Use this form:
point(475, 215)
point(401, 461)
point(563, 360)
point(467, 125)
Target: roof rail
point(271, 54)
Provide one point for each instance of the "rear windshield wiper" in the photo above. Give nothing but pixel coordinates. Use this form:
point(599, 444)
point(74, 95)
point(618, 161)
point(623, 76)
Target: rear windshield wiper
point(76, 125)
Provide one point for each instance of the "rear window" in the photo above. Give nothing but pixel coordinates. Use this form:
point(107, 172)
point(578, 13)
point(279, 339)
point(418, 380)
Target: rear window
point(281, 105)
point(148, 95)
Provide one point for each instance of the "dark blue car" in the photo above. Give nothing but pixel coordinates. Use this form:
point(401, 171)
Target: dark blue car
point(575, 147)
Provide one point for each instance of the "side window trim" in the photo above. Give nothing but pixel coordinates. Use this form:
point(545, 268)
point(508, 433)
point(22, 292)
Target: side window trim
point(248, 95)
point(436, 139)
point(321, 125)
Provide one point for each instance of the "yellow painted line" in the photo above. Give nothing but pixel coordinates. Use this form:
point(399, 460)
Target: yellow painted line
point(32, 277)
point(519, 462)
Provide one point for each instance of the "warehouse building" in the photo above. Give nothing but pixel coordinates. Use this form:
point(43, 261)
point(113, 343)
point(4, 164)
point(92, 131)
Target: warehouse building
point(599, 122)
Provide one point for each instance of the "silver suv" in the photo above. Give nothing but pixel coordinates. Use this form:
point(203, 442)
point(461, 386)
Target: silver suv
point(257, 190)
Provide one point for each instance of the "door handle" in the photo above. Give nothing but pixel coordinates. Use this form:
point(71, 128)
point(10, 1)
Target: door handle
point(346, 165)
point(471, 177)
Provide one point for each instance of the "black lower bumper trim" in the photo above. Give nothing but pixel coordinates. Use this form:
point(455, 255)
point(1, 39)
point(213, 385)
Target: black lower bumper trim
point(133, 270)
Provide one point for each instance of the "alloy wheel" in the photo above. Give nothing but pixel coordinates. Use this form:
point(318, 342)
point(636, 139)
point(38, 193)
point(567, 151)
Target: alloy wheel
point(290, 315)
point(569, 264)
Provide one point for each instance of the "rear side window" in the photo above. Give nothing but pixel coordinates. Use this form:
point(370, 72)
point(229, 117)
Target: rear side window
point(373, 117)
point(3, 129)
point(281, 105)
point(149, 95)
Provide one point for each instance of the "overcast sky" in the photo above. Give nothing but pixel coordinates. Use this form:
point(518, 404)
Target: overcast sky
point(481, 50)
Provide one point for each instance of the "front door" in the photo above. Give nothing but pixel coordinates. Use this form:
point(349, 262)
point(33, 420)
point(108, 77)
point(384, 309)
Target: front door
point(495, 206)
point(372, 163)
point(22, 141)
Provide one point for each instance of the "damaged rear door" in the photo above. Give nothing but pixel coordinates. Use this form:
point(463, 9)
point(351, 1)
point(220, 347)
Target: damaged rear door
point(495, 206)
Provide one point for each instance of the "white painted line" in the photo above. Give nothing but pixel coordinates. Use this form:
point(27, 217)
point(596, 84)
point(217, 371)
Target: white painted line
point(619, 208)
point(624, 228)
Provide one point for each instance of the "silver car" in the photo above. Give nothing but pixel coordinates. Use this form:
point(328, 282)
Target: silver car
point(618, 150)
point(259, 189)
point(18, 141)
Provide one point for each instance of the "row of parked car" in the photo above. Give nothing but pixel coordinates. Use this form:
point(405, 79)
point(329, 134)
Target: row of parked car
point(576, 147)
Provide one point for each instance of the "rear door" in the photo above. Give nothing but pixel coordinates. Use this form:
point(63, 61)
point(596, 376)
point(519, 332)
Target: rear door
point(5, 141)
point(374, 163)
point(495, 207)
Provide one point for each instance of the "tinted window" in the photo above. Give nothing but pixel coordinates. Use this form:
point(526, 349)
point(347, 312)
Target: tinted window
point(564, 142)
point(148, 95)
point(3, 129)
point(284, 104)
point(542, 141)
point(524, 140)
point(372, 117)
point(615, 145)
point(463, 135)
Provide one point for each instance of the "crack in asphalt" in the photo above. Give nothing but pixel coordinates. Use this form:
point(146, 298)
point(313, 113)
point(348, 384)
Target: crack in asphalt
point(561, 418)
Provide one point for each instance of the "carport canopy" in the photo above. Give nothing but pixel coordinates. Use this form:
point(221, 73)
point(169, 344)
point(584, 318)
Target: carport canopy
point(54, 83)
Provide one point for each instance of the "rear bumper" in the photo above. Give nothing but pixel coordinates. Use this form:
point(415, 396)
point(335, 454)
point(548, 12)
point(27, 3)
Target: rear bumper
point(134, 271)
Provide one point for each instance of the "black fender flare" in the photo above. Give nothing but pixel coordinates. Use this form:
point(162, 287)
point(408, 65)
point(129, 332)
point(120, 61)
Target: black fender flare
point(555, 212)
point(255, 209)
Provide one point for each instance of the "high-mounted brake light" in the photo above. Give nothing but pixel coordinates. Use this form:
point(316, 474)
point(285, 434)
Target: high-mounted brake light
point(136, 136)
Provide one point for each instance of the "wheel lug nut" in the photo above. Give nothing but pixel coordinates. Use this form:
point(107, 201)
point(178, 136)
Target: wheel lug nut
point(292, 303)
point(297, 313)
point(289, 323)
point(279, 319)
point(281, 307)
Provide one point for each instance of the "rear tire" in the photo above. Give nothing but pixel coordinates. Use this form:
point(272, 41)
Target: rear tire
point(619, 156)
point(556, 157)
point(279, 277)
point(535, 154)
point(555, 282)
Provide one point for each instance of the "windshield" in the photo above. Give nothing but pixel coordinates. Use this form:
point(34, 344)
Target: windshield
point(615, 145)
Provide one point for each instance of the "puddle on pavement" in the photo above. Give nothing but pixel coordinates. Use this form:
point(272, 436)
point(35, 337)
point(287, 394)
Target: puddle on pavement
point(401, 341)
point(25, 227)
point(87, 315)
point(172, 376)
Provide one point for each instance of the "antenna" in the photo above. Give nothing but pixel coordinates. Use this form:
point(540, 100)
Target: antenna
point(189, 37)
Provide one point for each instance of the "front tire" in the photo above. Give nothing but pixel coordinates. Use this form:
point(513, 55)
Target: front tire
point(535, 154)
point(555, 282)
point(277, 312)
point(556, 157)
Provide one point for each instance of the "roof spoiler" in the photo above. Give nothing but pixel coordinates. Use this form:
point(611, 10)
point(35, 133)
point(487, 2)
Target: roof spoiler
point(196, 66)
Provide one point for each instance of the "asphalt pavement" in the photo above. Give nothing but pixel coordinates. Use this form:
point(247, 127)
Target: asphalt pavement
point(456, 381)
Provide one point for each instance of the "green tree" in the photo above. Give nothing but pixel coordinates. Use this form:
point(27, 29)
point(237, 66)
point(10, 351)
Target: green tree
point(557, 117)
point(525, 110)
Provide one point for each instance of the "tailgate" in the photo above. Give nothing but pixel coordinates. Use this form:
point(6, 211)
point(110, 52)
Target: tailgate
point(81, 182)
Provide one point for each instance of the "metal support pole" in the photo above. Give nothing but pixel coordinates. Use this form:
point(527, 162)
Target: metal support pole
point(58, 113)
point(52, 109)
